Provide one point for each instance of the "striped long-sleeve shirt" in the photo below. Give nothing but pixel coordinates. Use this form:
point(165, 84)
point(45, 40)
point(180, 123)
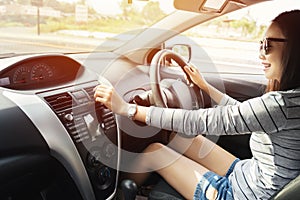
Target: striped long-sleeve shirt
point(273, 120)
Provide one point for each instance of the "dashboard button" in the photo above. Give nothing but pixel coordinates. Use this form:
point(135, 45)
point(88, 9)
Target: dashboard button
point(69, 117)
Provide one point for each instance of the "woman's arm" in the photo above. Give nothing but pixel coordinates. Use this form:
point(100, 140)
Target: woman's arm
point(259, 114)
point(111, 99)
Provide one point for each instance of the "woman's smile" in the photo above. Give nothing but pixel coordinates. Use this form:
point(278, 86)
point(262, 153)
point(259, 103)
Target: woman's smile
point(266, 66)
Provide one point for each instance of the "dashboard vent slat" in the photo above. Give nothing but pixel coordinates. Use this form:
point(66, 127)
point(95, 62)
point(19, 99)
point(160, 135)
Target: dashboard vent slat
point(90, 92)
point(60, 102)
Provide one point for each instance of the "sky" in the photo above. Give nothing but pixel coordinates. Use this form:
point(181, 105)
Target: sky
point(112, 6)
point(166, 5)
point(263, 13)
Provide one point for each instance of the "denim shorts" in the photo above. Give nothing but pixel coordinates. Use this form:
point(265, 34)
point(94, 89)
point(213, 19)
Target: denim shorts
point(210, 180)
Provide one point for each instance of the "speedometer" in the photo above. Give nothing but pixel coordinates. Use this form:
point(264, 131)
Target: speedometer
point(21, 75)
point(41, 72)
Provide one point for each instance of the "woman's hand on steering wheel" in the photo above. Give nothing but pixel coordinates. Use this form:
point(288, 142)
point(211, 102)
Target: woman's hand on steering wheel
point(195, 77)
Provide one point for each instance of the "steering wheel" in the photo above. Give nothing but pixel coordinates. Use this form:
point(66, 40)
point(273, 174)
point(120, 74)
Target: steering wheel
point(172, 91)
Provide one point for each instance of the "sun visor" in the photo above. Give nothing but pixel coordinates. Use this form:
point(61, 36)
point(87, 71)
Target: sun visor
point(210, 6)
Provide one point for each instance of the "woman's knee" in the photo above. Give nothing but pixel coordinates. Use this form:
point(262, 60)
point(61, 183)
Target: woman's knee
point(154, 147)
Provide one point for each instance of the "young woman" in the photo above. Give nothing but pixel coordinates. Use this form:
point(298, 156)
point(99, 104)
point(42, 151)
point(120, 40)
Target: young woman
point(273, 120)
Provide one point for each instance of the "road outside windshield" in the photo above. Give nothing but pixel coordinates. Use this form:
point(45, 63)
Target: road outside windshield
point(28, 26)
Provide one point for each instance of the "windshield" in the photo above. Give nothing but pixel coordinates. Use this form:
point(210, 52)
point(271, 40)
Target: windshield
point(70, 26)
point(73, 26)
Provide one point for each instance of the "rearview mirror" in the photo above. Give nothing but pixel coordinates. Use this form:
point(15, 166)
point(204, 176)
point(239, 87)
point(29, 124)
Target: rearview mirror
point(183, 50)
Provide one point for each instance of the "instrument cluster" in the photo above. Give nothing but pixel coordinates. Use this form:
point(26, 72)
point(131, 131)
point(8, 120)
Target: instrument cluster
point(36, 73)
point(39, 72)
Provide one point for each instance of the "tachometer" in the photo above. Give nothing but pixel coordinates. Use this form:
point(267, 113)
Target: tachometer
point(21, 75)
point(41, 72)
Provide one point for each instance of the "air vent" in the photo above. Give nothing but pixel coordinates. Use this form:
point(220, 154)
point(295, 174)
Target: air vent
point(107, 118)
point(90, 91)
point(60, 102)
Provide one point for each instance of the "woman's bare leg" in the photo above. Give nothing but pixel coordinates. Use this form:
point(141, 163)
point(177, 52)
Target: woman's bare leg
point(204, 152)
point(183, 172)
point(180, 172)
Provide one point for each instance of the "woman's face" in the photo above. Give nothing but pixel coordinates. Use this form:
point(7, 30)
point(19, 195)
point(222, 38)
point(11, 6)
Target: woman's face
point(272, 60)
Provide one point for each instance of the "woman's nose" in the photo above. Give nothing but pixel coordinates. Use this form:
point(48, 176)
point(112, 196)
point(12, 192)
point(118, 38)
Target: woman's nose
point(261, 56)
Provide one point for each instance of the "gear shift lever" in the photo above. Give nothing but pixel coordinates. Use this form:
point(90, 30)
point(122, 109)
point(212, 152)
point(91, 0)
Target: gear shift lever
point(129, 189)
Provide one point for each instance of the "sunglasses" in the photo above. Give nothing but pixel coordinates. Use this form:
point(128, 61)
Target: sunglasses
point(264, 47)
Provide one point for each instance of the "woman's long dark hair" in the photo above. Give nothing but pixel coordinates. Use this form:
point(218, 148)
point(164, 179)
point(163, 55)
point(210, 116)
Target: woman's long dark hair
point(289, 24)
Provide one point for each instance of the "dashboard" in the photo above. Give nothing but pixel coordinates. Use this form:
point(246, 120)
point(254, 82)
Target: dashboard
point(54, 93)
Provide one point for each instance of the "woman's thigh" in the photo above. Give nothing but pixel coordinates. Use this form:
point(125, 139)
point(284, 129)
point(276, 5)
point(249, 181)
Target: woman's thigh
point(180, 172)
point(204, 152)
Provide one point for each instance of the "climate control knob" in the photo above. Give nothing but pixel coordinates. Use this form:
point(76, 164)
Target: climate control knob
point(69, 117)
point(104, 175)
point(93, 159)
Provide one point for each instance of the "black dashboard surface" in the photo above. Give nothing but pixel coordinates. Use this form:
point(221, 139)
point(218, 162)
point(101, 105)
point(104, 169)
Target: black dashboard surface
point(18, 134)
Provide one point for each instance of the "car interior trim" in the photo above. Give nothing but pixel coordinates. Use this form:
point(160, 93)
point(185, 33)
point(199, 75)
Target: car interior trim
point(60, 144)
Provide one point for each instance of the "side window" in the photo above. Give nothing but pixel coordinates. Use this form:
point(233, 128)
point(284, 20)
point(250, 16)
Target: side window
point(230, 43)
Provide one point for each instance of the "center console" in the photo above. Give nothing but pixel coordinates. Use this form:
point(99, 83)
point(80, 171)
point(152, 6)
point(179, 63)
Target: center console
point(93, 130)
